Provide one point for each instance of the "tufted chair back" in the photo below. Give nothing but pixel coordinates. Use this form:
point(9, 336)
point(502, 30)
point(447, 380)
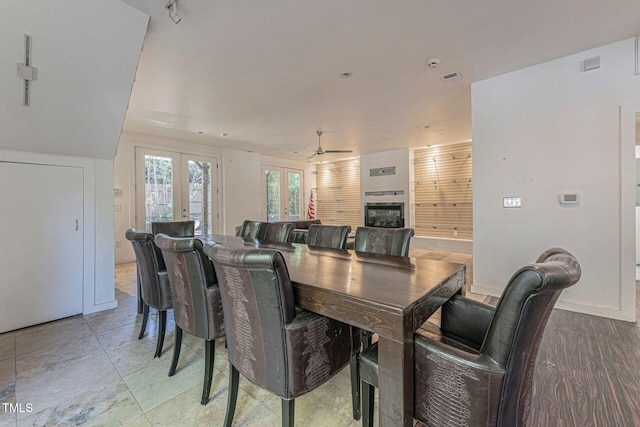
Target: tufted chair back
point(275, 231)
point(196, 296)
point(154, 291)
point(174, 228)
point(328, 236)
point(489, 383)
point(275, 345)
point(249, 229)
point(387, 241)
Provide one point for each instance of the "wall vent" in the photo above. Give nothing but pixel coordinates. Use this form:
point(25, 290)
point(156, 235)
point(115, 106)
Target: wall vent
point(451, 77)
point(592, 63)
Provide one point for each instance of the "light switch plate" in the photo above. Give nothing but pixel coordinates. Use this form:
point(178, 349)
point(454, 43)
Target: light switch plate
point(512, 202)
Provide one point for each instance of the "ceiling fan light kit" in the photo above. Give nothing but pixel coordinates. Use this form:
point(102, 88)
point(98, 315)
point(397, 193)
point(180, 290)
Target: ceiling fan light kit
point(320, 151)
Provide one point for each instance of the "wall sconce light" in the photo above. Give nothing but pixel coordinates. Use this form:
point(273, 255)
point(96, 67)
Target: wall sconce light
point(171, 7)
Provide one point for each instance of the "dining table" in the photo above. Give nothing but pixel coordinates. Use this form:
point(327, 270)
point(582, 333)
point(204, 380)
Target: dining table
point(390, 296)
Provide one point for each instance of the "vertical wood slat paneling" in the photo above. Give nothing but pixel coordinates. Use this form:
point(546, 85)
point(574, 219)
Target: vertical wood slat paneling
point(338, 193)
point(443, 191)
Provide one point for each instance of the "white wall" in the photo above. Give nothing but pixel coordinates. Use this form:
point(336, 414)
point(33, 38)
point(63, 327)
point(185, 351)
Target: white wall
point(86, 53)
point(549, 129)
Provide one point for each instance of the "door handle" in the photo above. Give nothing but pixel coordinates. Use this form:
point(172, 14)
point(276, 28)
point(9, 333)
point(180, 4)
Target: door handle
point(76, 225)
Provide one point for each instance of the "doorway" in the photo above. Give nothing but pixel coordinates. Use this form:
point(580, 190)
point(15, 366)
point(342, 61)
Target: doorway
point(176, 187)
point(282, 193)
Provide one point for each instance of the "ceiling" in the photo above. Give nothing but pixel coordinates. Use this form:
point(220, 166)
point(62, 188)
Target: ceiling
point(267, 74)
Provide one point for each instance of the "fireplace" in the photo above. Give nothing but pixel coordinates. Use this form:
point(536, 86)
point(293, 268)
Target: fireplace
point(387, 215)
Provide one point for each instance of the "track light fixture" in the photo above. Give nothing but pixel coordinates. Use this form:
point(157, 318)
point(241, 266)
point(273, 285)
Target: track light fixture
point(171, 7)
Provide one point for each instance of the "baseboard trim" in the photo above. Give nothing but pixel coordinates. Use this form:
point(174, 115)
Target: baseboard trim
point(576, 307)
point(464, 246)
point(100, 307)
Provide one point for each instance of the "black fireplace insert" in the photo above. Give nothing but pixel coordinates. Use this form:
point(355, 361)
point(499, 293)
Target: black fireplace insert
point(387, 215)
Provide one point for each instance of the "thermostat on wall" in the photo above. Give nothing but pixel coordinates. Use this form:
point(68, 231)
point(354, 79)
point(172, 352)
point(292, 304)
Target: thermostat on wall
point(569, 198)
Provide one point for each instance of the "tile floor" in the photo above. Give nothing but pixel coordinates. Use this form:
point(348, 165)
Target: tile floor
point(92, 370)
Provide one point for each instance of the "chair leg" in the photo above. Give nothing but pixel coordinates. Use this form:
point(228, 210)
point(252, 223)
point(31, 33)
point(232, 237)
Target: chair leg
point(367, 339)
point(145, 317)
point(232, 397)
point(176, 351)
point(368, 398)
point(209, 356)
point(163, 328)
point(355, 385)
point(288, 412)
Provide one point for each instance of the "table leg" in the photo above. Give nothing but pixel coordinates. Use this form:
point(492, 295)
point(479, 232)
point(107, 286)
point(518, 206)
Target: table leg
point(395, 381)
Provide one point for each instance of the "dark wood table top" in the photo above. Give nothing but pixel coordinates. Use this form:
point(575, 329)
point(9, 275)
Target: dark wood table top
point(388, 295)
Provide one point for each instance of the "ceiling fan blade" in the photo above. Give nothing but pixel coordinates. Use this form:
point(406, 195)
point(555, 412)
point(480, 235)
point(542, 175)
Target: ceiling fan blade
point(311, 156)
point(338, 151)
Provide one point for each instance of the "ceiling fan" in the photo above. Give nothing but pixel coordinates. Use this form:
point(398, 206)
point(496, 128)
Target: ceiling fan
point(319, 151)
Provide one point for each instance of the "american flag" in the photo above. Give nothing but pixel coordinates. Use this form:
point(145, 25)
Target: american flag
point(311, 212)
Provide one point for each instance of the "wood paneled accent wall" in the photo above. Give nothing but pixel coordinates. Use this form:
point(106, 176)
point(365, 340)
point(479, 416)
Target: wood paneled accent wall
point(338, 193)
point(443, 196)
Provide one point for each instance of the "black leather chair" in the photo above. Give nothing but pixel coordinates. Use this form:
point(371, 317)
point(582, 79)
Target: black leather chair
point(273, 343)
point(197, 306)
point(477, 369)
point(335, 236)
point(153, 290)
point(275, 231)
point(249, 229)
point(299, 235)
point(328, 236)
point(387, 241)
point(174, 228)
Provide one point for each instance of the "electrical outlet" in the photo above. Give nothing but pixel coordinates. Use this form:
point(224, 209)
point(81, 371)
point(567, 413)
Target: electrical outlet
point(455, 233)
point(118, 244)
point(117, 208)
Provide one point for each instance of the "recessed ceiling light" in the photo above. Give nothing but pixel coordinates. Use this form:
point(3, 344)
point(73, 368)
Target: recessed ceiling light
point(200, 132)
point(224, 134)
point(295, 152)
point(427, 126)
point(345, 75)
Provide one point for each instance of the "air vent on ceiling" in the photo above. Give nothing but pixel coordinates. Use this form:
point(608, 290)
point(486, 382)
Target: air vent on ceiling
point(592, 63)
point(451, 77)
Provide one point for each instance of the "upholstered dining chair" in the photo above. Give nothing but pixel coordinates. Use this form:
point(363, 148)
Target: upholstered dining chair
point(299, 235)
point(477, 368)
point(335, 237)
point(154, 289)
point(197, 306)
point(273, 343)
point(174, 228)
point(275, 231)
point(249, 229)
point(328, 236)
point(386, 241)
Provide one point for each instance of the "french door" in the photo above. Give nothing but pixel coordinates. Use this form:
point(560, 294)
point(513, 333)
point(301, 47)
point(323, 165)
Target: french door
point(282, 192)
point(176, 187)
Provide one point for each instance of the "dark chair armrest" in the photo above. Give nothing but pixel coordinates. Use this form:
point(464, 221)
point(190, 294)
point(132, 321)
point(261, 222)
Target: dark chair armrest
point(466, 320)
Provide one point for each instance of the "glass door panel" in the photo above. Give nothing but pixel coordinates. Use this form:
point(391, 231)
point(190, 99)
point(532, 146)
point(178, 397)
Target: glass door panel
point(294, 195)
point(176, 187)
point(200, 184)
point(272, 192)
point(282, 194)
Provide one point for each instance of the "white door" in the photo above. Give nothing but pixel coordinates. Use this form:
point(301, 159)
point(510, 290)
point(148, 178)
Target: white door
point(282, 194)
point(176, 187)
point(41, 255)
